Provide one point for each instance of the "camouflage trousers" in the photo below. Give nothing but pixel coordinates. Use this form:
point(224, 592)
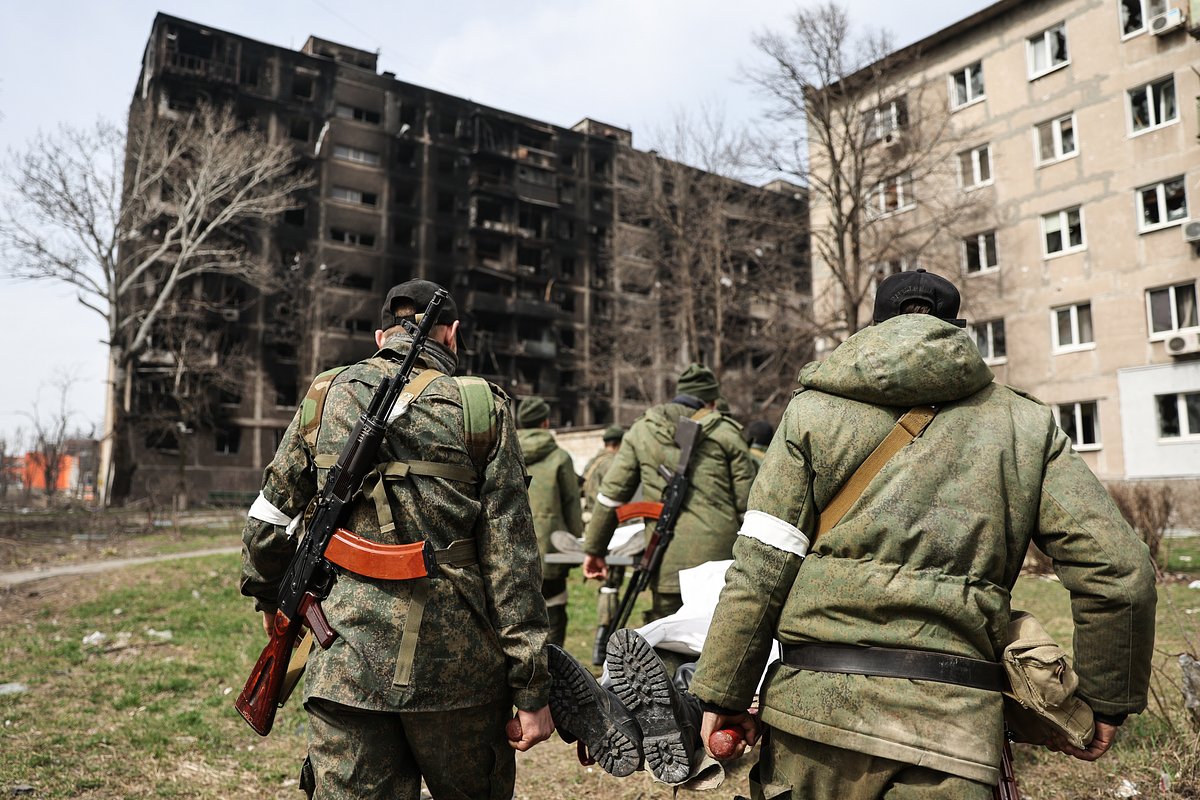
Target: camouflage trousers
point(552, 589)
point(362, 755)
point(794, 768)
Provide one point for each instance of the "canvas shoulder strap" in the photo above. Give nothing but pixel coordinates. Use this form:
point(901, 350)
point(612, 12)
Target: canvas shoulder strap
point(479, 416)
point(907, 428)
point(312, 407)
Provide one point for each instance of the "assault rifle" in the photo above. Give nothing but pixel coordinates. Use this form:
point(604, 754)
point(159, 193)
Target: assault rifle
point(687, 433)
point(309, 577)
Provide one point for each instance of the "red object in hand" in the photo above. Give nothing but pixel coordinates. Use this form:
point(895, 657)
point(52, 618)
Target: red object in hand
point(724, 743)
point(513, 730)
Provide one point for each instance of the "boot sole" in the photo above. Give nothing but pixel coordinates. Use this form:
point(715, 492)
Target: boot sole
point(575, 706)
point(640, 679)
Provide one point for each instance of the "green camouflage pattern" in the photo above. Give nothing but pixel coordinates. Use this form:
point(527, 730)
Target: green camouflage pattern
point(553, 493)
point(926, 557)
point(365, 755)
point(792, 768)
point(593, 475)
point(484, 625)
point(721, 474)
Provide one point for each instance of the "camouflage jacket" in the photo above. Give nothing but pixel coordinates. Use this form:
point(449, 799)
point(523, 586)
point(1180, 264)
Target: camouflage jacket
point(593, 475)
point(926, 558)
point(553, 493)
point(484, 625)
point(721, 474)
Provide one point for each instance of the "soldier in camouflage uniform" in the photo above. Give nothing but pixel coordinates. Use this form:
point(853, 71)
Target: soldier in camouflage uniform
point(597, 466)
point(424, 673)
point(721, 474)
point(923, 561)
point(554, 498)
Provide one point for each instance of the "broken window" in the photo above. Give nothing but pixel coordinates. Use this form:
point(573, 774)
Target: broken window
point(1152, 105)
point(302, 86)
point(300, 129)
point(1048, 50)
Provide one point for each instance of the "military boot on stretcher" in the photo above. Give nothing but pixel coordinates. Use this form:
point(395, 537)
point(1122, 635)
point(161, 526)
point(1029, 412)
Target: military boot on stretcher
point(586, 712)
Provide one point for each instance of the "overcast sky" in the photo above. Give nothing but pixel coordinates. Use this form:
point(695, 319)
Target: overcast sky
point(632, 63)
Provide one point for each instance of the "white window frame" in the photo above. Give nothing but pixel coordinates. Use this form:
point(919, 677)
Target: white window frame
point(980, 241)
point(967, 72)
point(1077, 415)
point(885, 119)
point(988, 328)
point(1160, 190)
point(904, 194)
point(979, 156)
point(1176, 328)
point(356, 155)
point(347, 111)
point(1147, 89)
point(1147, 15)
point(1057, 138)
point(1075, 345)
point(351, 238)
point(1045, 38)
point(1063, 222)
point(1186, 434)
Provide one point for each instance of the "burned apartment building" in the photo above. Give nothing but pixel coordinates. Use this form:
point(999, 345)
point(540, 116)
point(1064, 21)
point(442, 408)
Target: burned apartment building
point(517, 217)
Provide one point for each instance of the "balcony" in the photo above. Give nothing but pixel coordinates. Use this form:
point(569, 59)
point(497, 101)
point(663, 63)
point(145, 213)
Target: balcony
point(540, 194)
point(196, 66)
point(530, 307)
point(487, 301)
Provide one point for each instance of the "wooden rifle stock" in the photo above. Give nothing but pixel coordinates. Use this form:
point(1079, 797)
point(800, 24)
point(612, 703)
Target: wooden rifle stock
point(1007, 788)
point(257, 702)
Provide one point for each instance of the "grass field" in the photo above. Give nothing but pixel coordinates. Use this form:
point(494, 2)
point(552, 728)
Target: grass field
point(147, 710)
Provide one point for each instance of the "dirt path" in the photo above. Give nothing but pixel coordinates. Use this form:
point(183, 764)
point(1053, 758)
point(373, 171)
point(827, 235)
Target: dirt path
point(9, 580)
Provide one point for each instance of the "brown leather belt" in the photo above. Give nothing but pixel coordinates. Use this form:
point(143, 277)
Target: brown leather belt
point(395, 562)
point(894, 662)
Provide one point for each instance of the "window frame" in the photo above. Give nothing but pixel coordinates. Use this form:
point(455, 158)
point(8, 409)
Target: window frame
point(1064, 219)
point(976, 167)
point(1146, 17)
point(904, 192)
point(1031, 42)
point(353, 197)
point(981, 243)
point(989, 325)
point(1148, 89)
point(1076, 346)
point(967, 72)
point(1161, 196)
point(1181, 412)
point(1176, 328)
point(885, 119)
point(356, 155)
point(1077, 414)
point(1056, 139)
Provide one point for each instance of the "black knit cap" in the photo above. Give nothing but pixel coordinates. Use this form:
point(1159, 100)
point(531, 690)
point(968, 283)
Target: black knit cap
point(897, 290)
point(417, 293)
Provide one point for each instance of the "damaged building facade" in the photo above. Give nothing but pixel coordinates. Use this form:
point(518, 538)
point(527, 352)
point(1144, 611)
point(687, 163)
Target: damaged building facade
point(516, 216)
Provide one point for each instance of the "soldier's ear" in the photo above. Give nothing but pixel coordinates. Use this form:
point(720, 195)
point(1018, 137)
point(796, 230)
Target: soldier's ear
point(452, 336)
point(379, 339)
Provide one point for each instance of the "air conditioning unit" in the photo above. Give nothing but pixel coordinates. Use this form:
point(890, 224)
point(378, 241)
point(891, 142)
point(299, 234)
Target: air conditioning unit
point(1183, 344)
point(1191, 231)
point(1164, 23)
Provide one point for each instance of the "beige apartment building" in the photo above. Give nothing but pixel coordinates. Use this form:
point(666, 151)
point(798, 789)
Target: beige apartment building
point(1079, 267)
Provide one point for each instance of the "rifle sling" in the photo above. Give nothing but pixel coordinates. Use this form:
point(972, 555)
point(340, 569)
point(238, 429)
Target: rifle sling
point(906, 429)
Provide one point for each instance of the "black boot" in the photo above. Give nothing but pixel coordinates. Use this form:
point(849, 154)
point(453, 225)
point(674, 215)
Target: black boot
point(669, 718)
point(584, 710)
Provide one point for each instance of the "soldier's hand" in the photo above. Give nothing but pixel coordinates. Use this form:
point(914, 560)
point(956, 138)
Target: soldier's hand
point(595, 567)
point(268, 622)
point(536, 726)
point(744, 722)
point(1101, 741)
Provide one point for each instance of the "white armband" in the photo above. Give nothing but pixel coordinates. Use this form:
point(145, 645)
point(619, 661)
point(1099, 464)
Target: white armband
point(608, 501)
point(773, 531)
point(263, 511)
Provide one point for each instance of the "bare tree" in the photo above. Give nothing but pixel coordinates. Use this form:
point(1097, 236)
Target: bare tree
point(705, 268)
point(872, 137)
point(50, 422)
point(130, 219)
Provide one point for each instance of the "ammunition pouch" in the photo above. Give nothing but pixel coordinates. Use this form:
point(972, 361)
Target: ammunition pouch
point(1042, 698)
